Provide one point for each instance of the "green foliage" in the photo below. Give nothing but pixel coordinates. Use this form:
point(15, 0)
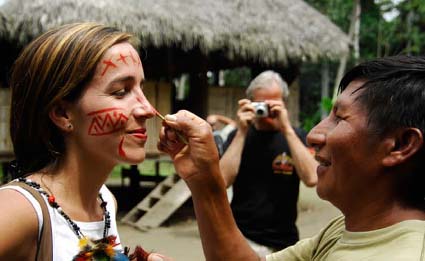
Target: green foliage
point(237, 77)
point(146, 168)
point(336, 10)
point(339, 12)
point(327, 104)
point(379, 36)
point(404, 34)
point(310, 121)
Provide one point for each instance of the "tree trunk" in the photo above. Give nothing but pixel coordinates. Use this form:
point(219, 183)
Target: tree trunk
point(325, 86)
point(353, 35)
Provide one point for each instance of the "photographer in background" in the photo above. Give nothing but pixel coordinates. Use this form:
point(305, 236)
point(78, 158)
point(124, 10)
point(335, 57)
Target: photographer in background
point(264, 160)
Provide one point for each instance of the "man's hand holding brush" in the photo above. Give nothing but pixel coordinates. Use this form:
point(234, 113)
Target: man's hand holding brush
point(188, 139)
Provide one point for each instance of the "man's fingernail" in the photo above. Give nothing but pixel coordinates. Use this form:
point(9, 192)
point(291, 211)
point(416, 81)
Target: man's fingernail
point(155, 258)
point(169, 117)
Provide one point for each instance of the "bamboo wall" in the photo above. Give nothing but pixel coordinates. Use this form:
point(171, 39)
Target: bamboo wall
point(159, 95)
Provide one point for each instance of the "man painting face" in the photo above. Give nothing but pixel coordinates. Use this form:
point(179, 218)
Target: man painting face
point(349, 156)
point(111, 114)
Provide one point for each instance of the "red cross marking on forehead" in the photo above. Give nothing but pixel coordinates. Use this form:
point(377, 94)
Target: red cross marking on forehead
point(108, 64)
point(122, 58)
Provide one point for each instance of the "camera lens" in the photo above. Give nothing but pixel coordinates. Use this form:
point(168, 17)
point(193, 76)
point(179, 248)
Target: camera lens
point(260, 112)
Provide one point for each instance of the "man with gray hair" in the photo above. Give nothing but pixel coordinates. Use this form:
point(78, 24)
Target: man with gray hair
point(264, 160)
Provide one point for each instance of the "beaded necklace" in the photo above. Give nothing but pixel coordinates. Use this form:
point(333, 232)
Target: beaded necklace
point(52, 202)
point(101, 249)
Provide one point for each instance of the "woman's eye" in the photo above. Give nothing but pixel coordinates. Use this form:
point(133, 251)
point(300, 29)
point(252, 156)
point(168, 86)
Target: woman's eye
point(120, 93)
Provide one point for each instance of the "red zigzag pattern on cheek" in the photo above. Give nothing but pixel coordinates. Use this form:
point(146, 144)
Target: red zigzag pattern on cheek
point(104, 123)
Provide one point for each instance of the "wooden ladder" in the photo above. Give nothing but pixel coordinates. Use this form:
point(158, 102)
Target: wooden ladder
point(158, 205)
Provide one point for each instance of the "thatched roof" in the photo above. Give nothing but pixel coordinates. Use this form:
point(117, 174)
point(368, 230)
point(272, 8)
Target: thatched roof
point(265, 31)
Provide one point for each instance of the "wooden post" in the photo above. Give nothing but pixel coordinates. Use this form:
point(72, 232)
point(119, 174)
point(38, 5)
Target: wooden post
point(198, 93)
point(5, 142)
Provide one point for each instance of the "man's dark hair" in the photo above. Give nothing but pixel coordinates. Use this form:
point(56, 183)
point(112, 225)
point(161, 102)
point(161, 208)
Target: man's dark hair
point(394, 98)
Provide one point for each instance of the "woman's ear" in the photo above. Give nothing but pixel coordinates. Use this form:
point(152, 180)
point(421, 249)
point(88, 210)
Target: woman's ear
point(60, 116)
point(405, 142)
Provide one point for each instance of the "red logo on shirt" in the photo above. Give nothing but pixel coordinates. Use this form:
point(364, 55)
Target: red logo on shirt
point(282, 164)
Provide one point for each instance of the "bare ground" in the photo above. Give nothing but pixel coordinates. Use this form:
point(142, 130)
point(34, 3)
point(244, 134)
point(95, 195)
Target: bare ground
point(179, 237)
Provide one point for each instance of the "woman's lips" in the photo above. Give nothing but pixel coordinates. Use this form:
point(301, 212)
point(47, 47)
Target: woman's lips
point(140, 136)
point(139, 133)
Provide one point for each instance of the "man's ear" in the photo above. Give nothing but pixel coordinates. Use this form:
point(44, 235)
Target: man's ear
point(403, 144)
point(61, 117)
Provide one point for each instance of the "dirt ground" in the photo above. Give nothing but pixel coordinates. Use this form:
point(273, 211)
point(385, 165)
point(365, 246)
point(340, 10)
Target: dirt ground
point(179, 237)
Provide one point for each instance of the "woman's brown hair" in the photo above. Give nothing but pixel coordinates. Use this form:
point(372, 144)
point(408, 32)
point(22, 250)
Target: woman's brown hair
point(54, 67)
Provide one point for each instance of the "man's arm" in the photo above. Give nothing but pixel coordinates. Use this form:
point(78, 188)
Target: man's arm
point(231, 159)
point(197, 164)
point(302, 158)
point(221, 238)
point(225, 120)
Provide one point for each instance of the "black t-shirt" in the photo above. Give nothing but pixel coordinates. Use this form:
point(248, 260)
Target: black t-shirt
point(265, 191)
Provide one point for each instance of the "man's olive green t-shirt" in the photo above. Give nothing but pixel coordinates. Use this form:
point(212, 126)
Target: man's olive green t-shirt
point(402, 241)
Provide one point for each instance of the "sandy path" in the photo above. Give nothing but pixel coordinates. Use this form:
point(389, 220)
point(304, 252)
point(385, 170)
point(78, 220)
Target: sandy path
point(180, 239)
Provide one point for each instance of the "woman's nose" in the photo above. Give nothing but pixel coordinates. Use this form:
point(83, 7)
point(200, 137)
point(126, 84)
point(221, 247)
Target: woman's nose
point(143, 108)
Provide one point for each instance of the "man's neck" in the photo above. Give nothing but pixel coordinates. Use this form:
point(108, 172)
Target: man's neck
point(374, 217)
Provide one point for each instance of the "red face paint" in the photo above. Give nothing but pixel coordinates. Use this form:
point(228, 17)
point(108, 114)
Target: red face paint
point(106, 121)
point(132, 58)
point(120, 148)
point(122, 58)
point(108, 64)
point(135, 61)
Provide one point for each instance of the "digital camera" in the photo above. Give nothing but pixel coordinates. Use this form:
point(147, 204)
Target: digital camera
point(261, 109)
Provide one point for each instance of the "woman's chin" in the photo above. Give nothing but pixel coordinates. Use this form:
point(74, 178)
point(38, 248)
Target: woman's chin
point(133, 158)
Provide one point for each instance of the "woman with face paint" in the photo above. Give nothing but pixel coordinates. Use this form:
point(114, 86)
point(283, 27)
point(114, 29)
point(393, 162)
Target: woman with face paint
point(78, 109)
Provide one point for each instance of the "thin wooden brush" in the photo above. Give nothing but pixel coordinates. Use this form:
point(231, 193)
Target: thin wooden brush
point(179, 135)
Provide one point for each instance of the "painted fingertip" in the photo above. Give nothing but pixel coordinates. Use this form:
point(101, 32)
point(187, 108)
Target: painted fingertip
point(169, 117)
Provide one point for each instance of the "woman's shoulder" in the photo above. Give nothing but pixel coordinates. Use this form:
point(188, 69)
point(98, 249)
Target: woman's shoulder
point(18, 223)
point(16, 205)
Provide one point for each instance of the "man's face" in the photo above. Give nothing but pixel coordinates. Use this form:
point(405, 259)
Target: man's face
point(272, 92)
point(349, 156)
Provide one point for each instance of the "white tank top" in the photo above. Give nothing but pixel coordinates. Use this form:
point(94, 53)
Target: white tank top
point(65, 242)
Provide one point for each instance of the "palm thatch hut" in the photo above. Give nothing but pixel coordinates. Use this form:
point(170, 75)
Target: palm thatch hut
point(193, 36)
point(267, 31)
